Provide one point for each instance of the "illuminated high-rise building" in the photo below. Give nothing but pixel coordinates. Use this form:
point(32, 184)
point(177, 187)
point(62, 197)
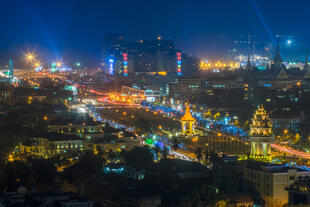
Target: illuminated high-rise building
point(260, 134)
point(190, 65)
point(155, 55)
point(111, 66)
point(112, 49)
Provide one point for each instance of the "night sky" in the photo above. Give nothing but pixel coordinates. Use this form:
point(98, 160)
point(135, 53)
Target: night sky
point(71, 29)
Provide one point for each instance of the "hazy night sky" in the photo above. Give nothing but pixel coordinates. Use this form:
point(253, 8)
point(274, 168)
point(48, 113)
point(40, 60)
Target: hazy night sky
point(72, 29)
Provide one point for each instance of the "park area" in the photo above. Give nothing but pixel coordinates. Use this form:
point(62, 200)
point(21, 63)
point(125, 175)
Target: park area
point(142, 119)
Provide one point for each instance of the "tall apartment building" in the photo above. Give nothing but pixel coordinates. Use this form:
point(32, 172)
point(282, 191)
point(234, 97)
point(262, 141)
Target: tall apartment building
point(122, 57)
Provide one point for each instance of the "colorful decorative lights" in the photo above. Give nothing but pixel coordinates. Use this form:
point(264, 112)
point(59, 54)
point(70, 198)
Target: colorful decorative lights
point(179, 63)
point(125, 64)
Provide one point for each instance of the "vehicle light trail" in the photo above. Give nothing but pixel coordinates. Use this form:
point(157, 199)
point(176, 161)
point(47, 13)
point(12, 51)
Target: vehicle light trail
point(297, 153)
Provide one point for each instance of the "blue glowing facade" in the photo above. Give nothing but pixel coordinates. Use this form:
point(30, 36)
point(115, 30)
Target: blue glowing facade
point(111, 66)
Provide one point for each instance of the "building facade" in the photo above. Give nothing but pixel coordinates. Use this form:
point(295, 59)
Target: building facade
point(260, 134)
point(50, 145)
point(85, 131)
point(265, 183)
point(122, 57)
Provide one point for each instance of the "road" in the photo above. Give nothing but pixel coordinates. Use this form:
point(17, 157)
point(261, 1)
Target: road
point(104, 98)
point(291, 151)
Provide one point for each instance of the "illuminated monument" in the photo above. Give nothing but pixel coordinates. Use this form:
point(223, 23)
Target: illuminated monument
point(188, 122)
point(260, 134)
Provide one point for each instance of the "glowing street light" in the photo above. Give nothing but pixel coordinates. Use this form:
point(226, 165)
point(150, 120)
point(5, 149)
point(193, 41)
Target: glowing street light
point(30, 57)
point(58, 64)
point(10, 158)
point(298, 83)
point(289, 42)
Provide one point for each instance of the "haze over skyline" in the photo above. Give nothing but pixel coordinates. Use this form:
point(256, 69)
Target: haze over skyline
point(72, 29)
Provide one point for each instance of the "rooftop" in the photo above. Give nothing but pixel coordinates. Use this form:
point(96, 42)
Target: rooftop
point(58, 137)
point(114, 140)
point(188, 116)
point(260, 166)
point(74, 119)
point(240, 199)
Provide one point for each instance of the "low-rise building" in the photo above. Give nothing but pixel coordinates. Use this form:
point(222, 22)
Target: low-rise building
point(114, 144)
point(265, 182)
point(299, 193)
point(127, 171)
point(85, 130)
point(286, 120)
point(225, 83)
point(48, 198)
point(51, 144)
point(189, 86)
point(240, 201)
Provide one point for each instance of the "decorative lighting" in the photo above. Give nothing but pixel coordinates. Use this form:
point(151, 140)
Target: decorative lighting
point(179, 63)
point(111, 66)
point(125, 64)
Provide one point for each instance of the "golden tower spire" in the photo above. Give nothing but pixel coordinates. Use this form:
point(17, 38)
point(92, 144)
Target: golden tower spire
point(188, 122)
point(260, 134)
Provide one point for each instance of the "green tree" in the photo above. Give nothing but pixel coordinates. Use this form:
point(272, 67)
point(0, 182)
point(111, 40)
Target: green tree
point(206, 155)
point(142, 125)
point(198, 153)
point(139, 156)
point(89, 162)
point(175, 143)
point(43, 170)
point(165, 152)
point(157, 149)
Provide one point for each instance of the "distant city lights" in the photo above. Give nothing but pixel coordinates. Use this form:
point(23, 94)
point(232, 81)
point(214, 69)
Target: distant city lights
point(207, 65)
point(30, 57)
point(289, 42)
point(59, 67)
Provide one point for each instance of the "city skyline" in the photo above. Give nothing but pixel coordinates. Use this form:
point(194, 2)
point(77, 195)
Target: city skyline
point(154, 103)
point(72, 30)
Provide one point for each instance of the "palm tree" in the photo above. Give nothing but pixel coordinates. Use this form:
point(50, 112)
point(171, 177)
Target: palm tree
point(156, 149)
point(212, 156)
point(110, 154)
point(165, 152)
point(207, 154)
point(99, 150)
point(175, 143)
point(198, 154)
